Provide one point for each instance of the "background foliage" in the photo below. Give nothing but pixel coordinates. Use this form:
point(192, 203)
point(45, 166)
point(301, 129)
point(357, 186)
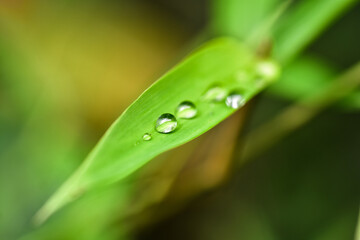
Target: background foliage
point(69, 68)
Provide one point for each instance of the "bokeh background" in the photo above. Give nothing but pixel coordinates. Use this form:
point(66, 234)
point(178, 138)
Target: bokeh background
point(69, 68)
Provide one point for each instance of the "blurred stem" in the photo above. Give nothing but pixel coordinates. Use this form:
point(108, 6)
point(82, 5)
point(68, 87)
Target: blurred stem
point(300, 113)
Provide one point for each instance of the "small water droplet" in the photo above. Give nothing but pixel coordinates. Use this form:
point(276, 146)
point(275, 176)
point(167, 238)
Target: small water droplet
point(215, 94)
point(166, 123)
point(147, 137)
point(186, 110)
point(268, 69)
point(235, 101)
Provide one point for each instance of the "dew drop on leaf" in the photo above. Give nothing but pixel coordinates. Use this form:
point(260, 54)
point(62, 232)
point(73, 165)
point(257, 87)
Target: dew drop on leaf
point(215, 94)
point(268, 70)
point(186, 110)
point(147, 137)
point(166, 123)
point(235, 100)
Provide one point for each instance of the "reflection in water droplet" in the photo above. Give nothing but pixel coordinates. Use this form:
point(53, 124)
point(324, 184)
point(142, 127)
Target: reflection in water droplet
point(166, 123)
point(235, 100)
point(186, 110)
point(147, 137)
point(215, 94)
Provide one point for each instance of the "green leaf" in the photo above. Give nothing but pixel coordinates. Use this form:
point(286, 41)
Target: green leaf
point(357, 232)
point(302, 78)
point(303, 24)
point(239, 18)
point(352, 102)
point(223, 62)
point(307, 76)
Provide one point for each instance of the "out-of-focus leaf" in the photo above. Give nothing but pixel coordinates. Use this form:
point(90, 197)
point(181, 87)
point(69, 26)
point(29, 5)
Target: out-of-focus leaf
point(297, 28)
point(300, 113)
point(239, 18)
point(307, 76)
point(71, 223)
point(224, 62)
point(302, 78)
point(352, 102)
point(357, 231)
point(303, 24)
point(342, 227)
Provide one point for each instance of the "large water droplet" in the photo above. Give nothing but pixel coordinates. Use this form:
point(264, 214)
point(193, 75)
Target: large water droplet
point(235, 100)
point(147, 137)
point(215, 94)
point(166, 123)
point(186, 110)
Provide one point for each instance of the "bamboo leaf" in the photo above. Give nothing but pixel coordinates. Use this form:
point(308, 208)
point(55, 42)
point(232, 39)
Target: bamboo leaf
point(239, 18)
point(304, 23)
point(303, 77)
point(308, 75)
point(223, 62)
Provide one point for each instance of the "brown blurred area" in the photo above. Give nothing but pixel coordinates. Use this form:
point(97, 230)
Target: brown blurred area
point(97, 57)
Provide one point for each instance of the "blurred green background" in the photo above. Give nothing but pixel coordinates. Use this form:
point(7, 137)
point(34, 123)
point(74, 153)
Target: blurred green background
point(69, 68)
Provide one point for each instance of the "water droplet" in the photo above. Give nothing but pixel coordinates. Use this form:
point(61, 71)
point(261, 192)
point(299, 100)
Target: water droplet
point(147, 137)
point(186, 110)
point(166, 123)
point(215, 94)
point(268, 69)
point(235, 100)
